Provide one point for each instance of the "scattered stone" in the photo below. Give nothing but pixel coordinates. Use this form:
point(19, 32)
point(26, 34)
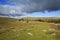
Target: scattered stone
point(24, 29)
point(14, 30)
point(30, 33)
point(56, 24)
point(3, 30)
point(52, 23)
point(44, 30)
point(21, 29)
point(53, 34)
point(17, 35)
point(51, 29)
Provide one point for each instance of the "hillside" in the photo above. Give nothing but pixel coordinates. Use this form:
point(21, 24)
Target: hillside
point(16, 29)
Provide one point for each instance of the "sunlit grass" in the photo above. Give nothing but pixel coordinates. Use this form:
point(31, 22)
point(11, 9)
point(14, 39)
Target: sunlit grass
point(21, 30)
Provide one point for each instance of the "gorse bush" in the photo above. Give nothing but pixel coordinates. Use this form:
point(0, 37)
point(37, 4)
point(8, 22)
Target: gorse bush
point(54, 21)
point(50, 20)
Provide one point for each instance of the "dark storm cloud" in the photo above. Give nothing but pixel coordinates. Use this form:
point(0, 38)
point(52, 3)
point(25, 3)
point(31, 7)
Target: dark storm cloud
point(29, 6)
point(37, 5)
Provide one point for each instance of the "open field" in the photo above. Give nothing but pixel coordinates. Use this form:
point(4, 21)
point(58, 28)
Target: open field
point(13, 29)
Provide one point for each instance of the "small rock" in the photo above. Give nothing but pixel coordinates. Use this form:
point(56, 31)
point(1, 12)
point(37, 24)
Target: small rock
point(17, 35)
point(21, 29)
point(30, 33)
point(2, 30)
point(44, 30)
point(14, 30)
point(53, 34)
point(51, 29)
point(52, 23)
point(56, 24)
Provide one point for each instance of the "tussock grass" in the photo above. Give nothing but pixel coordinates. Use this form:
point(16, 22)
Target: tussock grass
point(21, 30)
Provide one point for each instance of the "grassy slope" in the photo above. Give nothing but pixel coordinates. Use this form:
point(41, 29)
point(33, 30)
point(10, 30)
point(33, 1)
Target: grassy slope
point(18, 30)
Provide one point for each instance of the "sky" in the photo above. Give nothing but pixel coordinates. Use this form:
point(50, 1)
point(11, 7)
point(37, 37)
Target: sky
point(46, 14)
point(29, 8)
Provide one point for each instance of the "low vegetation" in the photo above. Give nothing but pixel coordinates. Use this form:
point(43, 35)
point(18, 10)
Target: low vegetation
point(29, 29)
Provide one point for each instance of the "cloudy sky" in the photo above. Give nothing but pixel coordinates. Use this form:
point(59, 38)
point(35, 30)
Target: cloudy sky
point(32, 8)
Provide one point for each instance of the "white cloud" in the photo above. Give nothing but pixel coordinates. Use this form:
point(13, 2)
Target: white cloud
point(9, 9)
